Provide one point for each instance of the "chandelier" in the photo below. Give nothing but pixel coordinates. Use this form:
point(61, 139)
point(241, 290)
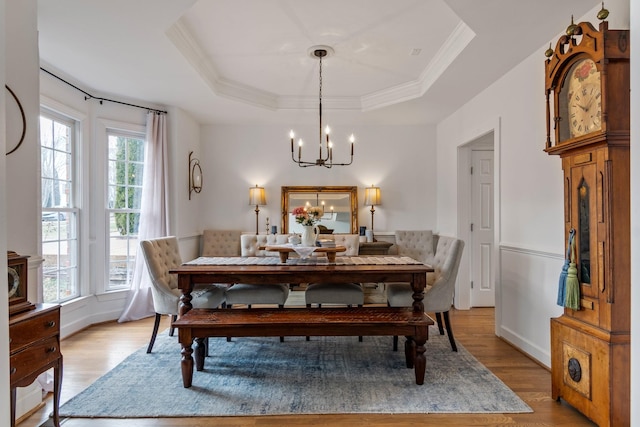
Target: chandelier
point(325, 155)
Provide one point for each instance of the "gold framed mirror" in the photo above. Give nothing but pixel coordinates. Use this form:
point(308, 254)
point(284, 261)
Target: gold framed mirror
point(339, 203)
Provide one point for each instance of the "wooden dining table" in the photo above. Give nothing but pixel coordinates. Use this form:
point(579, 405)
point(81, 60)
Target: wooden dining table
point(268, 270)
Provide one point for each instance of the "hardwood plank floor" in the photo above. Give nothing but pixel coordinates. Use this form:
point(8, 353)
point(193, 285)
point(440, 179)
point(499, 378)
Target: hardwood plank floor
point(94, 351)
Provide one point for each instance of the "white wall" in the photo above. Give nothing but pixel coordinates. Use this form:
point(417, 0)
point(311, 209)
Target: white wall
point(530, 238)
point(400, 160)
point(186, 215)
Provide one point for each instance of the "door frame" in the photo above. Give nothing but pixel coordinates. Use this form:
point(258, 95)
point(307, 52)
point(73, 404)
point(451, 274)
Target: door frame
point(488, 139)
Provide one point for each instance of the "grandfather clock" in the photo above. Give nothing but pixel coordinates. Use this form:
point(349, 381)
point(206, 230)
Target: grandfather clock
point(588, 115)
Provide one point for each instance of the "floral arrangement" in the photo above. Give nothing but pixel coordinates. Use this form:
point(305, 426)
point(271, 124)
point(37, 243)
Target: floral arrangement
point(307, 216)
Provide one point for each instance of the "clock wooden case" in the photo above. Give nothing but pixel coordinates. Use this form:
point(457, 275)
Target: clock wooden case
point(17, 268)
point(588, 115)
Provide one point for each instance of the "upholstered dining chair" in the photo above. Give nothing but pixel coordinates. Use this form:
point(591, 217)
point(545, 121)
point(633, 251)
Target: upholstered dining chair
point(348, 294)
point(338, 293)
point(234, 243)
point(443, 254)
point(244, 293)
point(161, 255)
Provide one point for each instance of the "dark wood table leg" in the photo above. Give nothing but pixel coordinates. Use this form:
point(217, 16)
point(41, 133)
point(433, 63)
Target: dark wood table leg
point(187, 360)
point(186, 286)
point(200, 353)
point(57, 388)
point(418, 284)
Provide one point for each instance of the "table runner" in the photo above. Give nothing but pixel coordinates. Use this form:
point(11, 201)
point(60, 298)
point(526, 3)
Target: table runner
point(341, 260)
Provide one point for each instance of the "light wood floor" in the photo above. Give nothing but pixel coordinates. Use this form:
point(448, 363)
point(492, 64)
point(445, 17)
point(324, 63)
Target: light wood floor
point(92, 352)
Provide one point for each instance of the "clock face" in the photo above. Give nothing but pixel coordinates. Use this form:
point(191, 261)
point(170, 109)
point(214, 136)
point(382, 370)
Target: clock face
point(14, 282)
point(584, 98)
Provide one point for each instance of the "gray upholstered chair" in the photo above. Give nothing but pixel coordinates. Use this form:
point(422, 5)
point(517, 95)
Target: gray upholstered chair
point(161, 255)
point(443, 254)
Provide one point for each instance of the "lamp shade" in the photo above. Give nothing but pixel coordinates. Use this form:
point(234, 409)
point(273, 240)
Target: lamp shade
point(372, 196)
point(257, 196)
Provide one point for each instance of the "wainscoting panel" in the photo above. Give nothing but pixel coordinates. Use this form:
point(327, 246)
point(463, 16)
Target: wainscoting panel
point(527, 299)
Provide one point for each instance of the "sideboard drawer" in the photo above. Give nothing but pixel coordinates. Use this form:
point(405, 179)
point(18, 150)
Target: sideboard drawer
point(23, 333)
point(30, 360)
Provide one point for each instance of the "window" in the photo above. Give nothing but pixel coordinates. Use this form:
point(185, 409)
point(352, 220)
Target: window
point(59, 210)
point(125, 169)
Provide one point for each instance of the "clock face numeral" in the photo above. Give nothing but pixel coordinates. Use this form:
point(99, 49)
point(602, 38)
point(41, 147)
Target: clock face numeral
point(584, 98)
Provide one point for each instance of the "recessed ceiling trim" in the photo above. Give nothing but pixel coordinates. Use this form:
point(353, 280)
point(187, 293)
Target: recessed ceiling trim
point(186, 44)
point(457, 41)
point(184, 41)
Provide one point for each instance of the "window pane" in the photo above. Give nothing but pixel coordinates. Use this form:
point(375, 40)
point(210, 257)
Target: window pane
point(124, 194)
point(59, 215)
point(61, 134)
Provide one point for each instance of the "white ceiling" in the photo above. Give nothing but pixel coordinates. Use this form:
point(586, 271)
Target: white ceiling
point(247, 61)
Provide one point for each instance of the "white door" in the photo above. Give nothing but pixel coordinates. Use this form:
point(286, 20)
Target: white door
point(482, 280)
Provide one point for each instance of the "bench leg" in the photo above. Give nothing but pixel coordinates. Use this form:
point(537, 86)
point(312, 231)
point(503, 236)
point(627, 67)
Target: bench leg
point(410, 351)
point(200, 353)
point(186, 365)
point(420, 361)
point(414, 354)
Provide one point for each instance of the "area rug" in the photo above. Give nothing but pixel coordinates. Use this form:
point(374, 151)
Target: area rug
point(327, 375)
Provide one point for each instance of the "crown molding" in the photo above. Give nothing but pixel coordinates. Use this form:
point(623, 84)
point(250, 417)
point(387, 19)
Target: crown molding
point(457, 41)
point(186, 44)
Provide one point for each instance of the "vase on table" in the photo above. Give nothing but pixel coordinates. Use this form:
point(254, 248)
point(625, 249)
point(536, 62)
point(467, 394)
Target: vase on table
point(309, 235)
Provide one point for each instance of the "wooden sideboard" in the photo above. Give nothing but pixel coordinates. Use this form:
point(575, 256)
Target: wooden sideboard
point(34, 346)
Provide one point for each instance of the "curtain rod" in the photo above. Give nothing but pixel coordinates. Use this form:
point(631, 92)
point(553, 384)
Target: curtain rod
point(87, 95)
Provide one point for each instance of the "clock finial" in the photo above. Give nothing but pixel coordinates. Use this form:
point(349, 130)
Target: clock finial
point(603, 13)
point(549, 52)
point(571, 29)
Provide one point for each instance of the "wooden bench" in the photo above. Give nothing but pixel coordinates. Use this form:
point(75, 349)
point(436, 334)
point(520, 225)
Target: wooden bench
point(198, 324)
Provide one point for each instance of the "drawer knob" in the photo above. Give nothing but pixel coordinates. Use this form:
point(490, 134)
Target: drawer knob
point(51, 349)
point(12, 371)
point(51, 324)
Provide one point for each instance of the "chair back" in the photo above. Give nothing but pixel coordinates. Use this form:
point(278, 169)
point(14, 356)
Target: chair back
point(221, 243)
point(161, 255)
point(446, 262)
point(416, 244)
point(250, 243)
point(349, 241)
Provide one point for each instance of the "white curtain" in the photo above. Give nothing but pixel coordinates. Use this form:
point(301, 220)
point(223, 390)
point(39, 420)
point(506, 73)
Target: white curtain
point(154, 215)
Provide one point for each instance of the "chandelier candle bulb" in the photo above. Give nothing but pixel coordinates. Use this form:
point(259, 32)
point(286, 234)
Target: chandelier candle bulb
point(291, 135)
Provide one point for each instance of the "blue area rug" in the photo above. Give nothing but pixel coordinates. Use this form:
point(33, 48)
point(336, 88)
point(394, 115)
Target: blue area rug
point(327, 375)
